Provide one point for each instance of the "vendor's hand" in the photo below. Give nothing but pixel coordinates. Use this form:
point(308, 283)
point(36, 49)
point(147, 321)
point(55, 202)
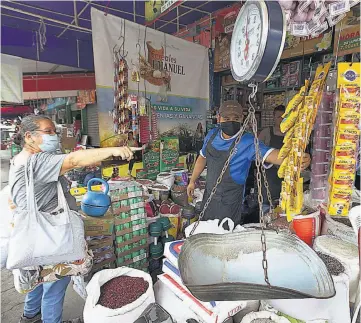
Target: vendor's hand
point(123, 152)
point(190, 189)
point(306, 160)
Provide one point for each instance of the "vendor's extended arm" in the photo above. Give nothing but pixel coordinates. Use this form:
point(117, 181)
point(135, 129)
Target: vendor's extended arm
point(89, 157)
point(198, 169)
point(272, 158)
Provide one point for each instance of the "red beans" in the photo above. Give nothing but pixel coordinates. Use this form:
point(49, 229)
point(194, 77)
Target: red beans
point(121, 291)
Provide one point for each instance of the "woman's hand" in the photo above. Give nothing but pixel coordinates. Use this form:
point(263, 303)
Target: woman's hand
point(123, 152)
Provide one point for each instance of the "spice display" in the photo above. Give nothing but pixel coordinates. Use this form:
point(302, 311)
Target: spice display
point(346, 139)
point(121, 291)
point(299, 118)
point(333, 265)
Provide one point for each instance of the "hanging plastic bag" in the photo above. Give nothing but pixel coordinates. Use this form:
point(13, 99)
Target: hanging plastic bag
point(6, 219)
point(50, 238)
point(211, 226)
point(95, 313)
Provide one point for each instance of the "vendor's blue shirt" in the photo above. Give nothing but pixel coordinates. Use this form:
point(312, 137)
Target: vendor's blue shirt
point(245, 154)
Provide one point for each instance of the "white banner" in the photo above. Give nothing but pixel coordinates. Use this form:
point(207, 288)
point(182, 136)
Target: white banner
point(11, 79)
point(175, 73)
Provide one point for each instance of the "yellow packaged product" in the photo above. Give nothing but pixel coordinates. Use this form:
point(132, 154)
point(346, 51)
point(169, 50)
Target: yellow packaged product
point(338, 191)
point(288, 122)
point(320, 77)
point(296, 100)
point(349, 105)
point(344, 164)
point(299, 196)
point(350, 92)
point(289, 134)
point(350, 121)
point(284, 196)
point(348, 75)
point(282, 168)
point(347, 136)
point(285, 149)
point(347, 150)
point(338, 206)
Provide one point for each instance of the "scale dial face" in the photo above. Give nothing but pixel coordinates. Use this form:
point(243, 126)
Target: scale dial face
point(249, 40)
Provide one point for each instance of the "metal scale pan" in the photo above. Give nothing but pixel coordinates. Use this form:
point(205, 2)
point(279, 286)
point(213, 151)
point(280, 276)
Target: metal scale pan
point(229, 267)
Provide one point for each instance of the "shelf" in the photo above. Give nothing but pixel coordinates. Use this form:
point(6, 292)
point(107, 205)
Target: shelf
point(281, 89)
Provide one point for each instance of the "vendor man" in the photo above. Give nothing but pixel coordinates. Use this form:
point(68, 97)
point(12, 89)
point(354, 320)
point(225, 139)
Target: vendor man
point(228, 198)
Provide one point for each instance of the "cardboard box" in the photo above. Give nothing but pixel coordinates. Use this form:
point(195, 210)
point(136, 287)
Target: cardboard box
point(100, 226)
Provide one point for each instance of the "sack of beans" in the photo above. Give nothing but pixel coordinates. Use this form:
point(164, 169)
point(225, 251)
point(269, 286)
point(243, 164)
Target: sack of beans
point(118, 295)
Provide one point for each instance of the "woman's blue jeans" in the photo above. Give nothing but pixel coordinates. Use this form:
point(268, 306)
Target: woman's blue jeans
point(47, 298)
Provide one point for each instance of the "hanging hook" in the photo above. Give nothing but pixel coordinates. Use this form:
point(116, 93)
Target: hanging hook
point(251, 97)
point(352, 58)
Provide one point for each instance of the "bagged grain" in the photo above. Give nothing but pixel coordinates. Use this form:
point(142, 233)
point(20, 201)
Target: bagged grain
point(346, 253)
point(339, 227)
point(130, 302)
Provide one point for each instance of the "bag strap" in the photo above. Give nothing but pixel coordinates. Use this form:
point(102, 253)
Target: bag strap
point(30, 189)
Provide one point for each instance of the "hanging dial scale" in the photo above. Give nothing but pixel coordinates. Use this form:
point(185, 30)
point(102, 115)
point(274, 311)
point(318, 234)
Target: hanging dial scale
point(257, 40)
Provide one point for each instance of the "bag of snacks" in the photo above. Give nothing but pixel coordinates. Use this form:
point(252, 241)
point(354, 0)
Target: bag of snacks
point(118, 295)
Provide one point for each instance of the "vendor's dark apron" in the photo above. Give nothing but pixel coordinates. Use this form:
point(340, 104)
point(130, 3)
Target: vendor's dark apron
point(227, 201)
point(275, 183)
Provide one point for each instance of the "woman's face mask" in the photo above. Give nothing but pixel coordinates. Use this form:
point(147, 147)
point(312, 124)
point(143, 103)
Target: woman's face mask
point(50, 143)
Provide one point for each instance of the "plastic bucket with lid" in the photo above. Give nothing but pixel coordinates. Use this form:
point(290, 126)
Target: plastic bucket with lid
point(159, 191)
point(165, 178)
point(180, 176)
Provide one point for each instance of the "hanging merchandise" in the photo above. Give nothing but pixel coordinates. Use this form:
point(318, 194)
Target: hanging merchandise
point(312, 18)
point(297, 123)
point(346, 139)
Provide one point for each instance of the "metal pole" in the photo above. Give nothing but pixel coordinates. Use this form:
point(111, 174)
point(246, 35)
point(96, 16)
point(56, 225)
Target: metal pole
point(75, 14)
point(134, 16)
point(77, 52)
point(178, 19)
point(45, 18)
point(80, 13)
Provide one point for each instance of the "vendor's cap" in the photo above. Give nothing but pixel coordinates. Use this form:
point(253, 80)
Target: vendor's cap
point(231, 108)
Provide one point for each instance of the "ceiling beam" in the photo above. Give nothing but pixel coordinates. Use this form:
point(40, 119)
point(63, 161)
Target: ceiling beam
point(74, 20)
point(37, 21)
point(45, 18)
point(183, 14)
point(45, 10)
point(128, 13)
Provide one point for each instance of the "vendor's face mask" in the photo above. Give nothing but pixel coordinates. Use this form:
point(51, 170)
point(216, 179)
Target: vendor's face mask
point(50, 143)
point(230, 128)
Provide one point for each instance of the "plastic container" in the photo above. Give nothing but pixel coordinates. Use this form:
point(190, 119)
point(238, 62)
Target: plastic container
point(323, 143)
point(165, 178)
point(180, 176)
point(323, 131)
point(324, 117)
point(307, 227)
point(321, 156)
point(320, 168)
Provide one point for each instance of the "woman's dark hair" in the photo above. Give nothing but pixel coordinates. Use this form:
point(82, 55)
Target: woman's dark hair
point(29, 123)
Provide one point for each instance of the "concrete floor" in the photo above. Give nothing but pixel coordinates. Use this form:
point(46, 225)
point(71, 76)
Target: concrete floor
point(12, 302)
